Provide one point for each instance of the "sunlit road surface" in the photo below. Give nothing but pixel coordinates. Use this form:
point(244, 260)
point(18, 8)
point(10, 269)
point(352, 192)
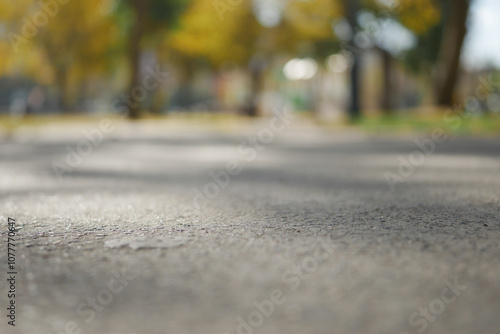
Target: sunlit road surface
point(186, 229)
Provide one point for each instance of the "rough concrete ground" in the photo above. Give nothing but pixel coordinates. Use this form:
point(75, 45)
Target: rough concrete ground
point(307, 238)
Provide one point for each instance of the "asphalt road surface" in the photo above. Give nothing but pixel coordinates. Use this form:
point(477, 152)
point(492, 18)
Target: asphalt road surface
point(257, 228)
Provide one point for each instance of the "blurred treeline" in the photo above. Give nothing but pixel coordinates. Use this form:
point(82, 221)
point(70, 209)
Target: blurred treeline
point(350, 56)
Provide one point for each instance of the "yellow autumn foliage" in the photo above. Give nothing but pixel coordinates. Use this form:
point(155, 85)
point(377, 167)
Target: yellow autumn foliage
point(224, 30)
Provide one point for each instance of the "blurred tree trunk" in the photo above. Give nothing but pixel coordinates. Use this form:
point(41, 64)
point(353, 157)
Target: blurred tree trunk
point(62, 83)
point(256, 83)
point(387, 89)
point(137, 31)
point(185, 94)
point(352, 8)
point(354, 108)
point(451, 48)
point(257, 66)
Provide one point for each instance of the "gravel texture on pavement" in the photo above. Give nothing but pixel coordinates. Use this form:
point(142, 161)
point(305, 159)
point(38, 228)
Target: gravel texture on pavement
point(191, 229)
